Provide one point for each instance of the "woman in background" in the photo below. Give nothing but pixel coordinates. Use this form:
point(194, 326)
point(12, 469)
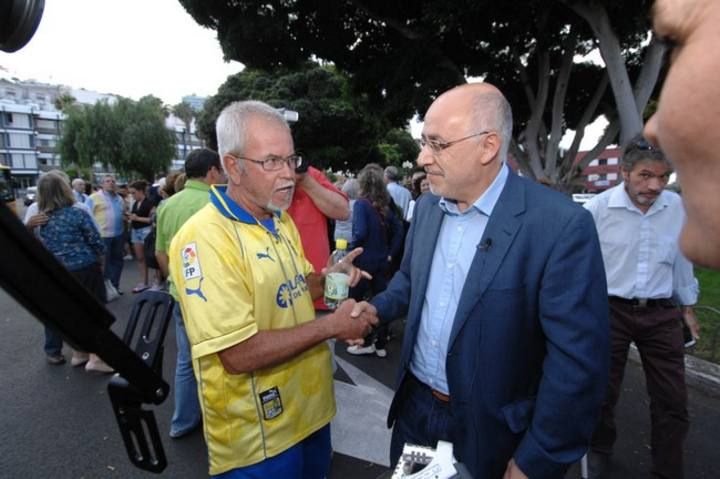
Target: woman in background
point(71, 236)
point(140, 227)
point(378, 229)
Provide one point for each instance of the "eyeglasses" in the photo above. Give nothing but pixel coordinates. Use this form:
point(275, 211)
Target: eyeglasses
point(644, 145)
point(438, 146)
point(274, 163)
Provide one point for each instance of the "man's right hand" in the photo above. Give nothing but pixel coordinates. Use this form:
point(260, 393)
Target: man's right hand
point(350, 327)
point(37, 220)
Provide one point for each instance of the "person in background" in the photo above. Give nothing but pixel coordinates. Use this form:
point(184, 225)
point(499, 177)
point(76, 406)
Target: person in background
point(418, 178)
point(245, 287)
point(124, 193)
point(71, 236)
point(686, 112)
point(505, 350)
point(202, 169)
point(424, 185)
point(140, 226)
point(343, 228)
point(400, 195)
point(651, 290)
point(108, 210)
point(378, 230)
point(78, 186)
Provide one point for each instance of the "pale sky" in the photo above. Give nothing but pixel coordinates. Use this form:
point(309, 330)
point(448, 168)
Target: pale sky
point(126, 47)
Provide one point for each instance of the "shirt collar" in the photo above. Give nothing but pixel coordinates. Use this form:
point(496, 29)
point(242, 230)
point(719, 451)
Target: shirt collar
point(231, 210)
point(620, 199)
point(197, 185)
point(487, 201)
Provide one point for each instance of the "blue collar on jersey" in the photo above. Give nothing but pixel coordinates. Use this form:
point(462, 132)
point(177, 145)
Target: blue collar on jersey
point(228, 208)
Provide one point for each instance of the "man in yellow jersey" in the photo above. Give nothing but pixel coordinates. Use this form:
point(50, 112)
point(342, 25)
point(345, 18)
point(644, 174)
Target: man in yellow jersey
point(246, 290)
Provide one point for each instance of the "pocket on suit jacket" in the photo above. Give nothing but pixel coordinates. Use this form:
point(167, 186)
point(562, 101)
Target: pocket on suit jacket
point(518, 414)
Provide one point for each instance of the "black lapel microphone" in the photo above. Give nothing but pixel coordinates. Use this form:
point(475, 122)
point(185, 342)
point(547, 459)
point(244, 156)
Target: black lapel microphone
point(485, 245)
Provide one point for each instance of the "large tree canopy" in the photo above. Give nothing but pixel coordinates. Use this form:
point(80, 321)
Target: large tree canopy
point(129, 136)
point(403, 54)
point(336, 129)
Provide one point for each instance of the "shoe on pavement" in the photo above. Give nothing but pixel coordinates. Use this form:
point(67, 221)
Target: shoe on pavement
point(97, 365)
point(358, 350)
point(56, 359)
point(597, 464)
point(179, 434)
point(79, 358)
point(128, 257)
point(381, 352)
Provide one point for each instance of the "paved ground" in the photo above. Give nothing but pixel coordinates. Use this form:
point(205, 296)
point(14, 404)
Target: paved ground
point(56, 421)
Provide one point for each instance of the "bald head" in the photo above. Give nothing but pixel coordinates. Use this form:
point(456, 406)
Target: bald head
point(482, 106)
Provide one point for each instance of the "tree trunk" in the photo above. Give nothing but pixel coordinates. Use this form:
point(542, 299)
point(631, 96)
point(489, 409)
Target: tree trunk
point(652, 63)
point(558, 107)
point(566, 166)
point(533, 126)
point(597, 17)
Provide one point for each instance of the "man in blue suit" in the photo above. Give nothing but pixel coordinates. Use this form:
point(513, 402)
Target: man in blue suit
point(505, 351)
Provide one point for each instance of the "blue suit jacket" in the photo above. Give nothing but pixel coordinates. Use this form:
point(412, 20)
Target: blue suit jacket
point(528, 356)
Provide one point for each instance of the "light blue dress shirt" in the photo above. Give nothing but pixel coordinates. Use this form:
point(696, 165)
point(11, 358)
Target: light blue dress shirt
point(640, 250)
point(460, 234)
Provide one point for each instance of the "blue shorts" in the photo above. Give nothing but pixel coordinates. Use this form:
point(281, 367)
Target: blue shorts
point(139, 235)
point(308, 459)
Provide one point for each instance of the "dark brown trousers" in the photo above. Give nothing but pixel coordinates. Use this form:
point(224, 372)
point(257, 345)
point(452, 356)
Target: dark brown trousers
point(657, 333)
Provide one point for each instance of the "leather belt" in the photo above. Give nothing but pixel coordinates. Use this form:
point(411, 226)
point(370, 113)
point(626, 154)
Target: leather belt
point(440, 396)
point(645, 302)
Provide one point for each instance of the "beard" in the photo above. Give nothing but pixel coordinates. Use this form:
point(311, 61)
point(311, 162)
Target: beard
point(284, 203)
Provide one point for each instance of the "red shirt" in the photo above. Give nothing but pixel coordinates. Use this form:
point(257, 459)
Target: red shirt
point(313, 225)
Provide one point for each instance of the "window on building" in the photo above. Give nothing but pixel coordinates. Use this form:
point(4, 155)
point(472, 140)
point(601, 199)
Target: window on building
point(10, 93)
point(19, 140)
point(602, 161)
point(30, 161)
point(8, 118)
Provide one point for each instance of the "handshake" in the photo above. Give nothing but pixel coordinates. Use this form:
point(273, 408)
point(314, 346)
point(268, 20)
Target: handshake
point(352, 321)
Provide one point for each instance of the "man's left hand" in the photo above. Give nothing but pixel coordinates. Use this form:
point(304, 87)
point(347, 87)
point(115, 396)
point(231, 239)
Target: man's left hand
point(690, 319)
point(355, 273)
point(513, 471)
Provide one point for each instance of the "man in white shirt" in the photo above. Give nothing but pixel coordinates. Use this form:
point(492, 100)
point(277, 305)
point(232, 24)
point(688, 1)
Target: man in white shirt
point(400, 195)
point(651, 290)
point(78, 186)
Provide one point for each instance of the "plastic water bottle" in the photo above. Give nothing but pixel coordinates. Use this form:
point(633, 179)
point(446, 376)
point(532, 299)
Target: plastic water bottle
point(336, 279)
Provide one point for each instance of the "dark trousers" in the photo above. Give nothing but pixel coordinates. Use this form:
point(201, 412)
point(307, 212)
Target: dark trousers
point(422, 419)
point(657, 333)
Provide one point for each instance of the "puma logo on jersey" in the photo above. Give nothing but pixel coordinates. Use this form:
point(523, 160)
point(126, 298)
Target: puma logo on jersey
point(197, 291)
point(265, 255)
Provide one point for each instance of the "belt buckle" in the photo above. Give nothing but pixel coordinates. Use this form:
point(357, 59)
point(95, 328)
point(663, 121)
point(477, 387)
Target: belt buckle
point(642, 302)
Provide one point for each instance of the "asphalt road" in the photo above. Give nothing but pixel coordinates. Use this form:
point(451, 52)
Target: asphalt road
point(56, 421)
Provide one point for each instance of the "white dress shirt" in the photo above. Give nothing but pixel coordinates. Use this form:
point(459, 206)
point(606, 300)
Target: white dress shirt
point(640, 250)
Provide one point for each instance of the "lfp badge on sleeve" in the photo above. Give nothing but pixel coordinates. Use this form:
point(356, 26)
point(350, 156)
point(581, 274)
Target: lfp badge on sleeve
point(191, 265)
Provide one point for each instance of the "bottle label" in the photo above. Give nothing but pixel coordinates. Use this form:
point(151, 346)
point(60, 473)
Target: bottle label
point(336, 286)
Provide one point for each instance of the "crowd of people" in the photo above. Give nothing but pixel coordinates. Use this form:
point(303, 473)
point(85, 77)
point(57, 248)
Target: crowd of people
point(519, 304)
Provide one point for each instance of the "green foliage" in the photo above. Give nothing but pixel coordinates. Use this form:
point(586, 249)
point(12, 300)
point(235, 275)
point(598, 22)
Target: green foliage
point(398, 147)
point(401, 55)
point(336, 129)
point(63, 101)
point(129, 136)
point(709, 287)
point(708, 346)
